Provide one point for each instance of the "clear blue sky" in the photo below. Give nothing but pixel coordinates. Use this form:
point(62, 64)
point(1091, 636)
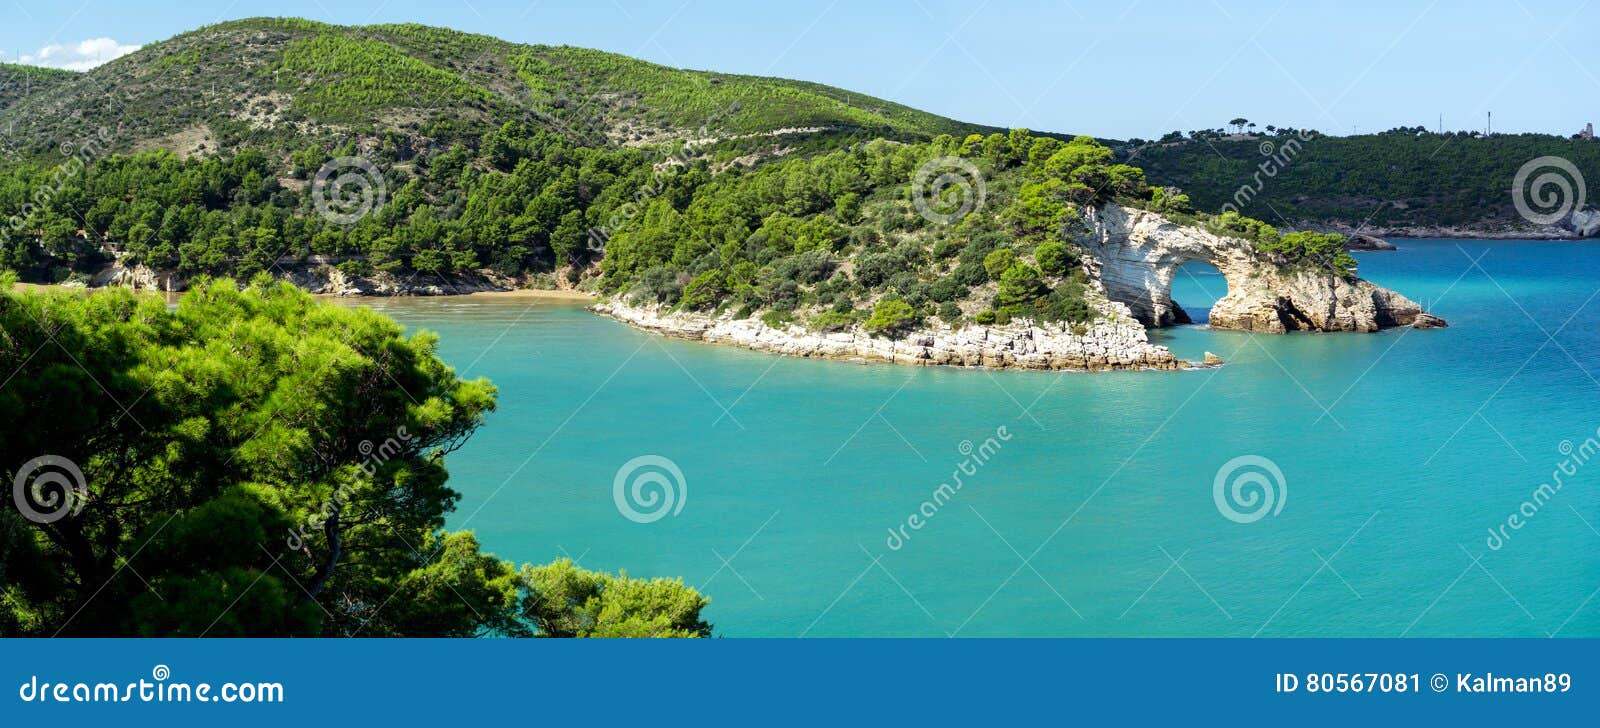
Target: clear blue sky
point(1117, 68)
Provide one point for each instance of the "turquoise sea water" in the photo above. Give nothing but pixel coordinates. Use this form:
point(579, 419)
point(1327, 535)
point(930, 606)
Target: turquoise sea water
point(1399, 452)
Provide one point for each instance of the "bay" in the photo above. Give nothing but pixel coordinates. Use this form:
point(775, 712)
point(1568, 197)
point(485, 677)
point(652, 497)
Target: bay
point(1399, 452)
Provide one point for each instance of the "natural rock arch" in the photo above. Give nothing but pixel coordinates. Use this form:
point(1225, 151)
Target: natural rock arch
point(1185, 310)
point(1137, 254)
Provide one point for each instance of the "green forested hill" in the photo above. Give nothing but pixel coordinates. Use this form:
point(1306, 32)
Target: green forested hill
point(227, 151)
point(276, 83)
point(402, 151)
point(1396, 180)
point(200, 155)
point(17, 82)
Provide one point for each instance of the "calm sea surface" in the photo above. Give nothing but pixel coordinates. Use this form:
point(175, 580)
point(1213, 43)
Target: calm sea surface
point(1398, 454)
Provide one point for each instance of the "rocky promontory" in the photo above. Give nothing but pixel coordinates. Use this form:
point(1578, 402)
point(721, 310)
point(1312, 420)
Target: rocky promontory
point(1132, 258)
point(1114, 342)
point(1134, 255)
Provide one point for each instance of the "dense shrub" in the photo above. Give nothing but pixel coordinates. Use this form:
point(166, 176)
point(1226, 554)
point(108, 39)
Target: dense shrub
point(704, 291)
point(998, 262)
point(890, 317)
point(831, 321)
point(1054, 258)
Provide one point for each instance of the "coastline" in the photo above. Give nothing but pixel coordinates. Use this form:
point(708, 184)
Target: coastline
point(550, 294)
point(1114, 343)
point(1496, 237)
point(1425, 232)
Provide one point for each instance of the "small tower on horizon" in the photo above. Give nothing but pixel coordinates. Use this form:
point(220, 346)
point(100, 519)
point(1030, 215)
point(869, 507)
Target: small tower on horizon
point(1588, 131)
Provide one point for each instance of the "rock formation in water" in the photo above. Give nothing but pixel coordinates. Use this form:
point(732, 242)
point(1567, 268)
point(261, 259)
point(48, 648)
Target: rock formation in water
point(1427, 320)
point(1138, 253)
point(1362, 241)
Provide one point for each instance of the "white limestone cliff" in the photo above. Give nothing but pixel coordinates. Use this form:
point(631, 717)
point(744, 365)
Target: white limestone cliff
point(1137, 253)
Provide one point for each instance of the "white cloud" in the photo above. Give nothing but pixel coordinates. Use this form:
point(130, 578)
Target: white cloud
point(80, 56)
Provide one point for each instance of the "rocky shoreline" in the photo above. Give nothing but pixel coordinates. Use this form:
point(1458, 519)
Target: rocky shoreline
point(1434, 232)
point(1113, 343)
point(1117, 342)
point(321, 279)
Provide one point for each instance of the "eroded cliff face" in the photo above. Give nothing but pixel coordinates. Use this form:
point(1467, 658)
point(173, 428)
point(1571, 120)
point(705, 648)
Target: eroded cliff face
point(1283, 301)
point(1137, 254)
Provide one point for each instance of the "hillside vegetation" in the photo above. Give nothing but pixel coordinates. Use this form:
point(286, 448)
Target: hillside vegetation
point(17, 82)
point(275, 84)
point(841, 231)
point(1404, 178)
point(981, 229)
point(522, 203)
